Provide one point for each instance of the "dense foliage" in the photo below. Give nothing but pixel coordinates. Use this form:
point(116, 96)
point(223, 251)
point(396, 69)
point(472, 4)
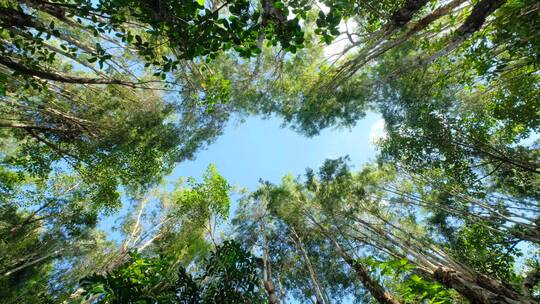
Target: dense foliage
point(101, 100)
point(229, 276)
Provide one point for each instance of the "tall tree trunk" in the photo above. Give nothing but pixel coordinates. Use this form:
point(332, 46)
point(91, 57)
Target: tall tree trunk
point(472, 24)
point(374, 288)
point(31, 263)
point(314, 278)
point(476, 292)
point(24, 70)
point(282, 294)
point(267, 270)
point(271, 290)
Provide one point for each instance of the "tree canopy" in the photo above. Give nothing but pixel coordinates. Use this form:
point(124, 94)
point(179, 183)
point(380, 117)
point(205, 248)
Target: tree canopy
point(101, 100)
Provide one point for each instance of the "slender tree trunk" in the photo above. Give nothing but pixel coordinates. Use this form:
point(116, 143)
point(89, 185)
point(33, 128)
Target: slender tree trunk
point(267, 271)
point(473, 23)
point(25, 126)
point(374, 288)
point(271, 290)
point(24, 70)
point(282, 295)
point(312, 273)
point(36, 261)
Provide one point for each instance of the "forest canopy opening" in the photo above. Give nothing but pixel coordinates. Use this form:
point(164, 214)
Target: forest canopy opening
point(101, 100)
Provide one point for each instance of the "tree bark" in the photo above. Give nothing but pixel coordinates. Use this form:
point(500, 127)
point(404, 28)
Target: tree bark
point(22, 69)
point(473, 291)
point(13, 18)
point(43, 258)
point(374, 288)
point(312, 273)
point(478, 16)
point(530, 281)
point(271, 290)
point(267, 271)
point(406, 12)
point(472, 24)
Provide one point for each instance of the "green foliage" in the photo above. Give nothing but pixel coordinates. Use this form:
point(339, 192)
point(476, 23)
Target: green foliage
point(132, 282)
point(131, 132)
point(230, 275)
point(411, 287)
point(206, 198)
point(15, 247)
point(487, 251)
point(101, 96)
point(195, 212)
point(193, 29)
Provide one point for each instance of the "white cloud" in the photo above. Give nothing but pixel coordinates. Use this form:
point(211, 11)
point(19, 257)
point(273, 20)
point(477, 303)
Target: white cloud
point(377, 132)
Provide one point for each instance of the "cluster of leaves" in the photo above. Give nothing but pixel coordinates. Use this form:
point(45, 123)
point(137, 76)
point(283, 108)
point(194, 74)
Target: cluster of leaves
point(371, 15)
point(40, 223)
point(192, 29)
point(106, 137)
point(412, 287)
point(487, 251)
point(211, 196)
point(229, 275)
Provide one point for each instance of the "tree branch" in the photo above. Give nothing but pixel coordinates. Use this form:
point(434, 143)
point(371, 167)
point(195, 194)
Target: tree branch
point(22, 69)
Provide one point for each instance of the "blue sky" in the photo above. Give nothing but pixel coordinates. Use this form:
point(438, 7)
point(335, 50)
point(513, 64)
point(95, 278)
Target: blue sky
point(261, 148)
